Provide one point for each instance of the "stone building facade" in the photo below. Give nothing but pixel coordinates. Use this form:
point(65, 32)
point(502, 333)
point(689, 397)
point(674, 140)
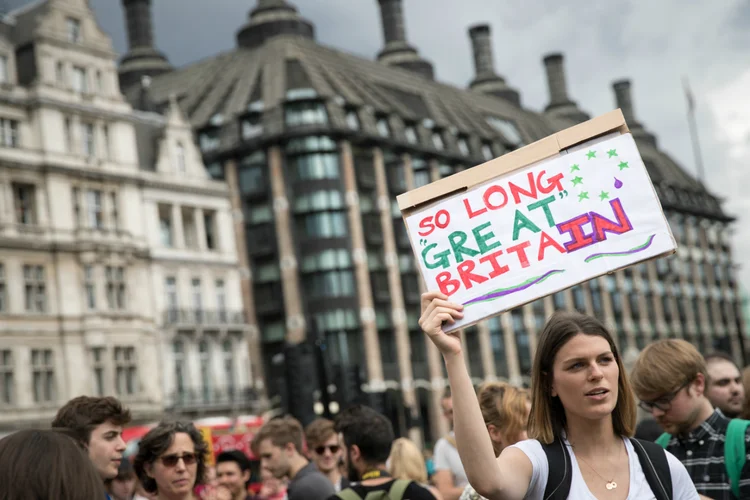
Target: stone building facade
point(95, 292)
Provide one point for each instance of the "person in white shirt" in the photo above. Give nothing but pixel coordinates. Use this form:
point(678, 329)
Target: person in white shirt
point(449, 477)
point(581, 400)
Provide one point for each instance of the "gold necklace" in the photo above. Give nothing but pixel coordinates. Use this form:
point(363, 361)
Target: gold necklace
point(611, 484)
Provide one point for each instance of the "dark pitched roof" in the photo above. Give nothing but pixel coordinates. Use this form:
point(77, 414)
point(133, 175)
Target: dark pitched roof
point(217, 91)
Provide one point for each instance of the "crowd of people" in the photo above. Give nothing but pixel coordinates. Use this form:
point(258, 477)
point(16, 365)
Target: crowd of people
point(573, 434)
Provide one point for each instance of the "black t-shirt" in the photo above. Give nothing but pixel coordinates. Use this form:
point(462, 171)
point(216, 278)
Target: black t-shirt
point(413, 491)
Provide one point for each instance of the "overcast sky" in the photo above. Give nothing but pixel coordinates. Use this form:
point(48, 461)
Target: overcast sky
point(653, 43)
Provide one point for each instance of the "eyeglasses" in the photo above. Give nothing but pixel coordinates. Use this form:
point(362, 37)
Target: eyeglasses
point(664, 403)
point(172, 460)
point(322, 449)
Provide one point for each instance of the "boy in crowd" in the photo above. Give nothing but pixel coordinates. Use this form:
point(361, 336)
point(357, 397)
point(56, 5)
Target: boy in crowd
point(670, 379)
point(279, 446)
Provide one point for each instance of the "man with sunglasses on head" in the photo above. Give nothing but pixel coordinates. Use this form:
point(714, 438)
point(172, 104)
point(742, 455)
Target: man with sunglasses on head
point(325, 451)
point(670, 379)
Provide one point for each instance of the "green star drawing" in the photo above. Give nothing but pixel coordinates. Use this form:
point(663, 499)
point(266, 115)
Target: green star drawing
point(603, 196)
point(583, 196)
point(622, 165)
point(611, 153)
point(574, 168)
point(591, 154)
point(577, 180)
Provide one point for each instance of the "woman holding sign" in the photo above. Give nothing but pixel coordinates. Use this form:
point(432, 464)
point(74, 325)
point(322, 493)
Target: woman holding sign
point(583, 414)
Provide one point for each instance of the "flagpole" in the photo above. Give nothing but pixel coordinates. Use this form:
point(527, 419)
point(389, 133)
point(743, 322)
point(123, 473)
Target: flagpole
point(692, 123)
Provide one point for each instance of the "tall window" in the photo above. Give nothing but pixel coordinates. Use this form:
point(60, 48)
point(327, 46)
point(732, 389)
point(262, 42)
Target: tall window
point(24, 203)
point(74, 30)
point(69, 147)
point(3, 290)
point(204, 356)
point(4, 77)
point(43, 375)
point(189, 231)
point(105, 137)
point(114, 215)
point(209, 224)
point(115, 288)
point(79, 83)
point(8, 133)
point(126, 382)
point(165, 225)
point(97, 366)
point(178, 352)
point(99, 81)
point(7, 395)
point(328, 274)
point(87, 137)
point(170, 290)
point(60, 72)
point(34, 289)
point(228, 355)
point(180, 158)
point(197, 298)
point(94, 210)
point(90, 287)
point(221, 300)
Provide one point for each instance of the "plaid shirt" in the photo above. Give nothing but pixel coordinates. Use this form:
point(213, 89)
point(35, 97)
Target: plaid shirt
point(702, 453)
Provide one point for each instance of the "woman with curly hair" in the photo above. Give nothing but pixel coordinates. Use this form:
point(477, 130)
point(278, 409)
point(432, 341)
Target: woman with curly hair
point(171, 461)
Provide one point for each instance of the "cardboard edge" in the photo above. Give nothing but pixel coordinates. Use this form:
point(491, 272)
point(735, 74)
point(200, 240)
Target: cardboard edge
point(543, 149)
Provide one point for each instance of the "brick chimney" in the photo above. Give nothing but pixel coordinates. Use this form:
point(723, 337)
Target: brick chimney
point(486, 80)
point(560, 105)
point(397, 52)
point(142, 58)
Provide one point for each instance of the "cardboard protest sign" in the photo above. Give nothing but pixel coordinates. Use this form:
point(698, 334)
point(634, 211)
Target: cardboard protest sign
point(558, 212)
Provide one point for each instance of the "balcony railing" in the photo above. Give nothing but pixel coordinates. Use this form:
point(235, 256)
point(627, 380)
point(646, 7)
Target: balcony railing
point(213, 399)
point(203, 317)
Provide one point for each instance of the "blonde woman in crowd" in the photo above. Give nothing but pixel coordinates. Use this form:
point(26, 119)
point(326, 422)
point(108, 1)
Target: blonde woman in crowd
point(505, 410)
point(407, 462)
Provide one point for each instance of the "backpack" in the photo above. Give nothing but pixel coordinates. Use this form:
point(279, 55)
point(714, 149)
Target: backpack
point(652, 457)
point(396, 492)
point(734, 451)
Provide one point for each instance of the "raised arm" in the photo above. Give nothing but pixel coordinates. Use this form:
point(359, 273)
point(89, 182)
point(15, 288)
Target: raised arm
point(484, 472)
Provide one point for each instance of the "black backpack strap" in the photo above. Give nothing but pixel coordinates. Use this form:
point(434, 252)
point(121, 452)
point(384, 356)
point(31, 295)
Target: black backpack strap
point(560, 470)
point(655, 466)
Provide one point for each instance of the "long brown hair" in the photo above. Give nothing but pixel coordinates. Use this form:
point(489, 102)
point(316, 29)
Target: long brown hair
point(46, 465)
point(547, 420)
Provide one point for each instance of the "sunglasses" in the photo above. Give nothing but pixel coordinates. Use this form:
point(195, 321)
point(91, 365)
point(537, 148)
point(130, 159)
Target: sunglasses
point(334, 448)
point(172, 460)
